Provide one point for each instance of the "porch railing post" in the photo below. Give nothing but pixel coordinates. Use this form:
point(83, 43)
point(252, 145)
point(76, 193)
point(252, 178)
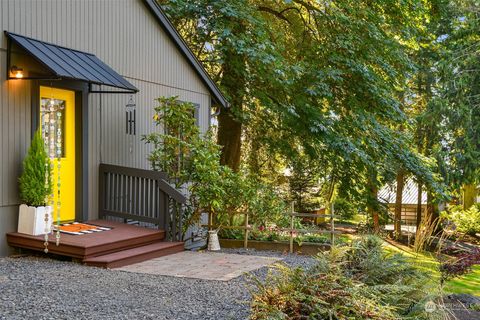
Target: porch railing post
point(140, 195)
point(180, 222)
point(167, 214)
point(174, 221)
point(101, 193)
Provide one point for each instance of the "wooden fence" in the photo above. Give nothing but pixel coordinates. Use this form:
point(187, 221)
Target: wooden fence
point(292, 230)
point(246, 228)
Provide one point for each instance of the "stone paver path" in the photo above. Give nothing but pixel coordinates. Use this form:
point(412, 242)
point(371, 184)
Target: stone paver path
point(201, 265)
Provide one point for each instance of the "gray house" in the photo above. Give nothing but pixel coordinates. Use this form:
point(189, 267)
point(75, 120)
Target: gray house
point(103, 63)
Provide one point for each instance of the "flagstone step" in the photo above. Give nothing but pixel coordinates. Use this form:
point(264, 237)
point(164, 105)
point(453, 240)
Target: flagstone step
point(135, 255)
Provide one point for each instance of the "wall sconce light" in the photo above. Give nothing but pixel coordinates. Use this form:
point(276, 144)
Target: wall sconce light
point(17, 72)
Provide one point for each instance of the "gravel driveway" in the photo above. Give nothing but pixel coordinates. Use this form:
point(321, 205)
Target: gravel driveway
point(40, 288)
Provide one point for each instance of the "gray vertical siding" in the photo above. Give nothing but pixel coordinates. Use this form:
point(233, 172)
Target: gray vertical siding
point(15, 136)
point(15, 132)
point(8, 222)
point(124, 35)
point(107, 119)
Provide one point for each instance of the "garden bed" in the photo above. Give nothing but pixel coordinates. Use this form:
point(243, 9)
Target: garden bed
point(281, 246)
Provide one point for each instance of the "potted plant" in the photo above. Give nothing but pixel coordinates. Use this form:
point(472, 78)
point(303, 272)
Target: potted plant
point(35, 217)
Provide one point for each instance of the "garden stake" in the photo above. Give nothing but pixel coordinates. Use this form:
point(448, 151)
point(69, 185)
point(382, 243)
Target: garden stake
point(245, 242)
point(332, 225)
point(291, 227)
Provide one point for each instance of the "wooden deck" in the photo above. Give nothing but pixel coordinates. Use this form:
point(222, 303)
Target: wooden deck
point(122, 245)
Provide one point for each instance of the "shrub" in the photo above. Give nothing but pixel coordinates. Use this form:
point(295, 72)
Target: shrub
point(192, 161)
point(296, 294)
point(345, 208)
point(35, 181)
point(461, 264)
point(466, 221)
point(359, 281)
point(368, 262)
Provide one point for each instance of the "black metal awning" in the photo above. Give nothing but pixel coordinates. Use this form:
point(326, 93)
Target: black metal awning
point(55, 62)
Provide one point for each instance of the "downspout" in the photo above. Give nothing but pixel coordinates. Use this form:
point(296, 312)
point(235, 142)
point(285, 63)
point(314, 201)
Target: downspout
point(217, 113)
point(101, 128)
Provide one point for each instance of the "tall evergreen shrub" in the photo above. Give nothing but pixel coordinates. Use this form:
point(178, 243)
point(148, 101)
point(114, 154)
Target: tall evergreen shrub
point(35, 181)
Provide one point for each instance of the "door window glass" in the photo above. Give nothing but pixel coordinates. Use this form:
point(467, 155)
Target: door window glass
point(52, 120)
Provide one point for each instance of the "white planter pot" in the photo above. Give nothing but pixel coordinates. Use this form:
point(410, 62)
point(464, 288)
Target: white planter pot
point(31, 220)
point(213, 243)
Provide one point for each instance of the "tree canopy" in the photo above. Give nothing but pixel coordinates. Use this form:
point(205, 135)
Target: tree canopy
point(360, 88)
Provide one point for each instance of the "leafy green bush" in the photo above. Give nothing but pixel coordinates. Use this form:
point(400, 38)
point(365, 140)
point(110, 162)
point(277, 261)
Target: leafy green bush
point(192, 161)
point(359, 281)
point(35, 181)
point(264, 201)
point(344, 208)
point(466, 221)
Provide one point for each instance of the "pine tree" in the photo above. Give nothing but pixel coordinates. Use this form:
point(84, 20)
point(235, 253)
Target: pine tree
point(35, 181)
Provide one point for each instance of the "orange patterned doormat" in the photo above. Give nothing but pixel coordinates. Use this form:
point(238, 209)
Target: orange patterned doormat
point(77, 228)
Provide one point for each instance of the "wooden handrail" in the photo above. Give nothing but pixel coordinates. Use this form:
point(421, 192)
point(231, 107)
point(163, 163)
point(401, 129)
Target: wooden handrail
point(313, 215)
point(141, 173)
point(141, 195)
point(308, 230)
point(215, 226)
point(171, 191)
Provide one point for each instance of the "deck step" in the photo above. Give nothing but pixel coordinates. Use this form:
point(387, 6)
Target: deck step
point(121, 237)
point(135, 255)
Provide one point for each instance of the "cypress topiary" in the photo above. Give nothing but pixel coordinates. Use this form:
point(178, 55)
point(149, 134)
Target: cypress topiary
point(35, 181)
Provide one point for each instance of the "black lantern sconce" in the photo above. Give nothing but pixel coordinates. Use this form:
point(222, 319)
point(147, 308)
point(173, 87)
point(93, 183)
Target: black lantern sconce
point(16, 72)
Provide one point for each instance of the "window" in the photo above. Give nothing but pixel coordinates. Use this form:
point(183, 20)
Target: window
point(196, 114)
point(52, 121)
point(130, 117)
point(130, 123)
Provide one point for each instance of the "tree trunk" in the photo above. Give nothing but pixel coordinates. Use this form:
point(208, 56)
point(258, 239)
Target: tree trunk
point(229, 137)
point(234, 85)
point(372, 204)
point(432, 209)
point(398, 204)
point(254, 154)
point(419, 205)
point(469, 195)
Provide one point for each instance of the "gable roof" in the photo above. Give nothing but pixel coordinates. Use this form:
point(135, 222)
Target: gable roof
point(388, 193)
point(185, 50)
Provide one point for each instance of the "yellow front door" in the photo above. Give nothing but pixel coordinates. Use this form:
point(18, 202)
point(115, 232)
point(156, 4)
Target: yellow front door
point(57, 120)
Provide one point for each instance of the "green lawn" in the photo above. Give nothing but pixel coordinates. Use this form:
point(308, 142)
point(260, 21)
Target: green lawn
point(469, 283)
